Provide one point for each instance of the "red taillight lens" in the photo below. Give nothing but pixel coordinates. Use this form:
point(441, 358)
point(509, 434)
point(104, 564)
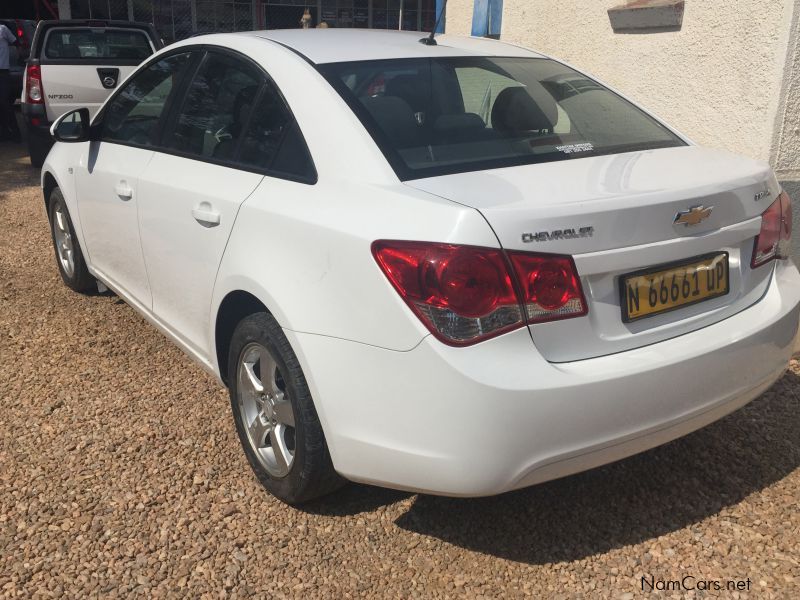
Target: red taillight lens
point(466, 294)
point(774, 239)
point(33, 84)
point(463, 294)
point(550, 286)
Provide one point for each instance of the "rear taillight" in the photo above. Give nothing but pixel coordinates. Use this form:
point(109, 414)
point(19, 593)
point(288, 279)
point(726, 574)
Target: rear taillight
point(463, 294)
point(466, 294)
point(550, 286)
point(33, 84)
point(774, 239)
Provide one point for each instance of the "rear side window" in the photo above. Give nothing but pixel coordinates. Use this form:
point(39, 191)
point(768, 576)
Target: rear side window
point(216, 109)
point(93, 44)
point(273, 141)
point(232, 114)
point(132, 116)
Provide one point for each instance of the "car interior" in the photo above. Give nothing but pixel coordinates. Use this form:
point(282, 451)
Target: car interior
point(407, 104)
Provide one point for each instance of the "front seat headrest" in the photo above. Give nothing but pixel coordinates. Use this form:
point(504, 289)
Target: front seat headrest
point(516, 110)
point(410, 88)
point(395, 119)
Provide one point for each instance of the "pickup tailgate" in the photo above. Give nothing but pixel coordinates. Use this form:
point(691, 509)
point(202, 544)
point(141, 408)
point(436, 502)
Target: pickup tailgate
point(68, 87)
point(82, 65)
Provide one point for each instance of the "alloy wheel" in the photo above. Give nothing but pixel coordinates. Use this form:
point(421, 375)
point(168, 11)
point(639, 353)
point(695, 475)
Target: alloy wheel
point(63, 239)
point(266, 410)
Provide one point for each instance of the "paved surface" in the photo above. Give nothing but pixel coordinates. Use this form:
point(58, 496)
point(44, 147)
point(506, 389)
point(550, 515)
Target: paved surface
point(121, 476)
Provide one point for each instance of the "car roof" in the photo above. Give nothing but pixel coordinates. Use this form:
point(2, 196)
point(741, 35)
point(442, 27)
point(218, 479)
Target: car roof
point(331, 45)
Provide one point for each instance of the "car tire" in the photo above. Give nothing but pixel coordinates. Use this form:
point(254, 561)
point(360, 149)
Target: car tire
point(69, 258)
point(38, 149)
point(274, 414)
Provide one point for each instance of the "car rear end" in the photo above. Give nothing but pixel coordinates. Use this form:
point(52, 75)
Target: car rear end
point(640, 287)
point(75, 64)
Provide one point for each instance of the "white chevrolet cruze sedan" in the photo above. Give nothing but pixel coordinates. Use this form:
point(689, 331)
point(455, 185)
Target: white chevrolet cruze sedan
point(459, 268)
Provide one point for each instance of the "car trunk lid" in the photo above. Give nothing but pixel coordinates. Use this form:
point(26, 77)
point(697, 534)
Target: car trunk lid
point(616, 215)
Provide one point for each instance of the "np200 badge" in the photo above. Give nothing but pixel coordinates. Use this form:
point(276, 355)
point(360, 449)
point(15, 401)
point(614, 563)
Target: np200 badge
point(558, 234)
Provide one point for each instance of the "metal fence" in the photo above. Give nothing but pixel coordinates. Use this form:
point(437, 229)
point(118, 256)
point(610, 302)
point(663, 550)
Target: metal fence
point(179, 19)
point(174, 19)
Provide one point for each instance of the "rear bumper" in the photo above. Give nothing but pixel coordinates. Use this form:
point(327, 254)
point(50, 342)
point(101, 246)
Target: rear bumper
point(36, 121)
point(37, 126)
point(496, 416)
point(39, 132)
point(34, 111)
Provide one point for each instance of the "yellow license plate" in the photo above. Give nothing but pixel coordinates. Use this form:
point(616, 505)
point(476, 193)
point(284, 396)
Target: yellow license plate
point(661, 289)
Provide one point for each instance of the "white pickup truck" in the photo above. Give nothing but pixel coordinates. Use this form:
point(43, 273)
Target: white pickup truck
point(74, 64)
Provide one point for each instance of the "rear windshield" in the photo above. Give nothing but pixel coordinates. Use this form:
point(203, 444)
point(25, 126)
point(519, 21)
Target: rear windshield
point(449, 115)
point(92, 44)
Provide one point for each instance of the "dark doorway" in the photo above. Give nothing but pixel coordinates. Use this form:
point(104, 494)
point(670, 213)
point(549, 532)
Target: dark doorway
point(285, 17)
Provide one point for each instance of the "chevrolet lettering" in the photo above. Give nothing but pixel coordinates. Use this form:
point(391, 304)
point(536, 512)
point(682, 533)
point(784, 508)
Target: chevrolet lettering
point(558, 234)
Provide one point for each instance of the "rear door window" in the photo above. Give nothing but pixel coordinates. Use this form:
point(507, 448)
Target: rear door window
point(273, 142)
point(88, 44)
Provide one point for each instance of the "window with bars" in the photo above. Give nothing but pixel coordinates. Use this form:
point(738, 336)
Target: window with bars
point(99, 9)
point(215, 15)
point(487, 18)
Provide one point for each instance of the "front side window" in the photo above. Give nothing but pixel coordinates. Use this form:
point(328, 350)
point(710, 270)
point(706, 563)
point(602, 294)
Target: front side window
point(437, 116)
point(132, 116)
point(97, 43)
point(216, 109)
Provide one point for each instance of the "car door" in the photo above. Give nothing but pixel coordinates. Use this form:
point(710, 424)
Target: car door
point(108, 175)
point(191, 191)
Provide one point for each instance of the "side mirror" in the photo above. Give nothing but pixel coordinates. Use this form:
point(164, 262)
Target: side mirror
point(72, 127)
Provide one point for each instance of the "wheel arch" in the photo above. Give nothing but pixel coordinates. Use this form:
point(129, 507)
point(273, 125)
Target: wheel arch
point(235, 306)
point(49, 183)
point(51, 178)
point(240, 297)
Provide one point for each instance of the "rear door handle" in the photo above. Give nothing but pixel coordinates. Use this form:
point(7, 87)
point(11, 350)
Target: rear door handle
point(205, 214)
point(123, 190)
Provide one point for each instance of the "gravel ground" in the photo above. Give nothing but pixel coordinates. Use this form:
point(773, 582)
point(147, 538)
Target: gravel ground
point(121, 476)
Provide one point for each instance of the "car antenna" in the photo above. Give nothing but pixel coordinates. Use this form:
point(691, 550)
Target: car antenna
point(428, 40)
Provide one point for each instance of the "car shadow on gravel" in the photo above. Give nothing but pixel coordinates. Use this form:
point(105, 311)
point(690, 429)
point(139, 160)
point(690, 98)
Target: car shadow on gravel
point(630, 501)
point(354, 499)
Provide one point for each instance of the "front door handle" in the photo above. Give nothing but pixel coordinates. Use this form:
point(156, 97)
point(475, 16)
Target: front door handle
point(123, 190)
point(205, 214)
